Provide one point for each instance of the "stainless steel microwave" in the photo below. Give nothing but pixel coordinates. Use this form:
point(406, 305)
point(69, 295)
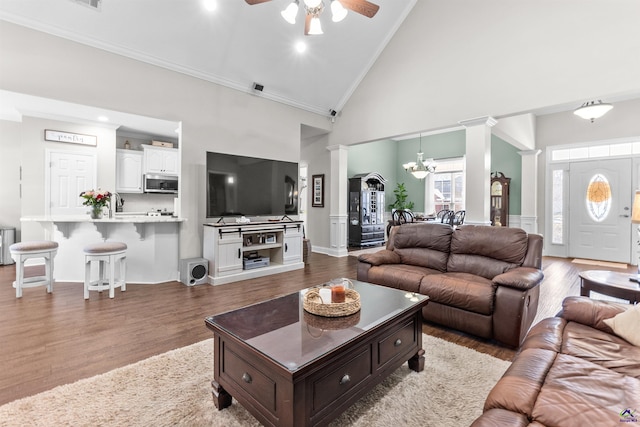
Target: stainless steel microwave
point(160, 184)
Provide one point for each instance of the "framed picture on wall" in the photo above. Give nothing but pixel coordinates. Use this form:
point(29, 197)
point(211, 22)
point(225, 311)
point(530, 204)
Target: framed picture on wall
point(317, 186)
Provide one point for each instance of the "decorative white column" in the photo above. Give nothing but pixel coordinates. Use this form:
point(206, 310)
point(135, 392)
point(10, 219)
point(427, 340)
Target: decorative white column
point(529, 202)
point(478, 170)
point(429, 200)
point(338, 209)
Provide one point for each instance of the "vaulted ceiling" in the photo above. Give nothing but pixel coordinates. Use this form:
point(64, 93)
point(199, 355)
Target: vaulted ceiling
point(235, 45)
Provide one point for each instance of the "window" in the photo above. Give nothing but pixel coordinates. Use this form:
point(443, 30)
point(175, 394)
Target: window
point(598, 197)
point(557, 207)
point(448, 184)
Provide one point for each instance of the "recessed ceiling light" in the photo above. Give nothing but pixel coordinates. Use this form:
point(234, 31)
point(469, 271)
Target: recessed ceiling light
point(103, 118)
point(210, 5)
point(301, 46)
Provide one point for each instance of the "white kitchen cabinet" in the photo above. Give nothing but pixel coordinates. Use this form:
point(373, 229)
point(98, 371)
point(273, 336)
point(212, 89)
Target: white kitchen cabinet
point(247, 250)
point(161, 160)
point(128, 171)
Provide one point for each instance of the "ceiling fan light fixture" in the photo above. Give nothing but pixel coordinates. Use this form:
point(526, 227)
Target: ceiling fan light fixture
point(338, 12)
point(592, 110)
point(312, 4)
point(289, 14)
point(315, 27)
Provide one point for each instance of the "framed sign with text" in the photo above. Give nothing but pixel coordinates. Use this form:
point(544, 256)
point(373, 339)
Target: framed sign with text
point(70, 137)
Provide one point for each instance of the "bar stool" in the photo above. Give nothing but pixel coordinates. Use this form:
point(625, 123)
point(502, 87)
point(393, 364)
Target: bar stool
point(23, 251)
point(107, 254)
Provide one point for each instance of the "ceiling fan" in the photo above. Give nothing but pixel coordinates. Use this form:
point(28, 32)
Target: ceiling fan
point(314, 8)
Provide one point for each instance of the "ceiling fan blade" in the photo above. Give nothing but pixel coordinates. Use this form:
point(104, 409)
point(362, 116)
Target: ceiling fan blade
point(307, 23)
point(256, 1)
point(363, 7)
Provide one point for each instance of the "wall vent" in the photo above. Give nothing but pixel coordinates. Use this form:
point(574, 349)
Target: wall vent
point(94, 4)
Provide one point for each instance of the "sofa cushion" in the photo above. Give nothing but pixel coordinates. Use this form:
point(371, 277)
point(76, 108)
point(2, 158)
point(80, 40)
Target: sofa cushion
point(479, 265)
point(577, 392)
point(487, 251)
point(426, 245)
point(590, 312)
point(501, 417)
point(627, 325)
point(601, 348)
point(399, 276)
point(520, 385)
point(461, 290)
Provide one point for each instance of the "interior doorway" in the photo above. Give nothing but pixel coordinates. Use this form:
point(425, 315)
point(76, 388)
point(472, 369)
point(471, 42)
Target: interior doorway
point(68, 174)
point(600, 210)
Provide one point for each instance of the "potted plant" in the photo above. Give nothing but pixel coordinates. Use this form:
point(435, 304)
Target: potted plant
point(401, 202)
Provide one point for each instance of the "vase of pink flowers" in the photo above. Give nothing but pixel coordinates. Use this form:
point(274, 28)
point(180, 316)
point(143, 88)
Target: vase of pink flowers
point(96, 200)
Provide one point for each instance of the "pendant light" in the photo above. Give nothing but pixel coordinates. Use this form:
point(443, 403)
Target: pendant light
point(592, 110)
point(421, 168)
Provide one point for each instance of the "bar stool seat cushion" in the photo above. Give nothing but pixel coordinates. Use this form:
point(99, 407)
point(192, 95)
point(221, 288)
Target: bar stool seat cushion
point(33, 246)
point(105, 247)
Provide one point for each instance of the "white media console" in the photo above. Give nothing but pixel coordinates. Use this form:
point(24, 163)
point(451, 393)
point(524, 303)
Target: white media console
point(240, 251)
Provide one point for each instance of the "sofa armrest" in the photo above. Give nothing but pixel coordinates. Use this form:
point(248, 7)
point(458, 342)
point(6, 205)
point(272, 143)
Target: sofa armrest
point(381, 257)
point(590, 312)
point(519, 278)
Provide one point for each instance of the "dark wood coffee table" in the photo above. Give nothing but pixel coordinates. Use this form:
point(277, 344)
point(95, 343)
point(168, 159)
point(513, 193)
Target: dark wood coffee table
point(292, 368)
point(610, 283)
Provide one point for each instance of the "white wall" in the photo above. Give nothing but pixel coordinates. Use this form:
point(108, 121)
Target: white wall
point(10, 154)
point(459, 59)
point(27, 151)
point(214, 118)
point(315, 154)
point(623, 121)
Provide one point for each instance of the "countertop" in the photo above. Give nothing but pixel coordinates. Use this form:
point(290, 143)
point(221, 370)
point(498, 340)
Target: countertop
point(117, 219)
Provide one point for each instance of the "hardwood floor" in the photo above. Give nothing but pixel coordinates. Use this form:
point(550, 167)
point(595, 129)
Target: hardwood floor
point(52, 339)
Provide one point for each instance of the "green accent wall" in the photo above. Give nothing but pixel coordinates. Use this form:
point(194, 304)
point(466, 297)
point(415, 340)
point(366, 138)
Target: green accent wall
point(387, 156)
point(378, 156)
point(450, 144)
point(505, 159)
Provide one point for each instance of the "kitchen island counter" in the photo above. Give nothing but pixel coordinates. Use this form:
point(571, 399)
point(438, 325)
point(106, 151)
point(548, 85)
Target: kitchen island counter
point(152, 244)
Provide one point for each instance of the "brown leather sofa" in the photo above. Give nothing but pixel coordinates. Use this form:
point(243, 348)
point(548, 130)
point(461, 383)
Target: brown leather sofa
point(481, 280)
point(570, 371)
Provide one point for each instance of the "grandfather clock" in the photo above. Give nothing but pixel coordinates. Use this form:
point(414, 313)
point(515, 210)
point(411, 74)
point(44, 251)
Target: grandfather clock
point(499, 199)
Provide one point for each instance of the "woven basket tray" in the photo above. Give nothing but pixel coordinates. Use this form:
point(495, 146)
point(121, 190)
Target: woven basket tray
point(313, 304)
point(331, 323)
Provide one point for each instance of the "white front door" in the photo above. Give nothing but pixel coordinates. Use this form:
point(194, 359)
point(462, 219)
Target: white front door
point(69, 174)
point(600, 228)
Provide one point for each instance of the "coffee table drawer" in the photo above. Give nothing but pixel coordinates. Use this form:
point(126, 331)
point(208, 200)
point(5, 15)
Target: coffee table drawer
point(398, 342)
point(248, 378)
point(341, 379)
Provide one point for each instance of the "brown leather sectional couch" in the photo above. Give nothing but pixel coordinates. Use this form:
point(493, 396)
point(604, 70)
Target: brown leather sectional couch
point(481, 280)
point(571, 370)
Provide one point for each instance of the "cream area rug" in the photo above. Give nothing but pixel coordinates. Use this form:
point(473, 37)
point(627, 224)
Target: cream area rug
point(174, 389)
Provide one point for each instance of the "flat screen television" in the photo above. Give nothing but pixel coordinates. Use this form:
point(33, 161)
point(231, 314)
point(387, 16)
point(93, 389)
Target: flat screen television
point(250, 186)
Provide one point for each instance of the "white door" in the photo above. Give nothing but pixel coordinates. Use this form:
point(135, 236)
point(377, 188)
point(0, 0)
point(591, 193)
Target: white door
point(69, 174)
point(599, 226)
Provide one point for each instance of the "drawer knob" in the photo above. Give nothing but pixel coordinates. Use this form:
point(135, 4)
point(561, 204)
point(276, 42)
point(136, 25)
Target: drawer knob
point(398, 342)
point(246, 378)
point(345, 379)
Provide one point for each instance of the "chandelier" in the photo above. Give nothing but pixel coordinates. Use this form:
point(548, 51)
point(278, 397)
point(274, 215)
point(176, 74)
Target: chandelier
point(314, 8)
point(420, 168)
point(592, 110)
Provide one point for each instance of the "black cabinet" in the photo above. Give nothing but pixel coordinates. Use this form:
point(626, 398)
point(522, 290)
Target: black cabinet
point(366, 209)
